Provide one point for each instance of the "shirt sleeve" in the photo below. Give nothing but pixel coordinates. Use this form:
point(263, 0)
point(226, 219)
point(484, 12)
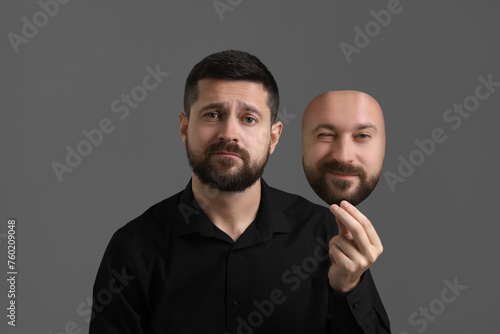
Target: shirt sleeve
point(359, 310)
point(118, 305)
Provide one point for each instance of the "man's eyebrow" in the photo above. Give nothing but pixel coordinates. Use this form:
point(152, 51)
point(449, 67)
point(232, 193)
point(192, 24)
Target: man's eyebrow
point(367, 126)
point(250, 108)
point(331, 127)
point(214, 105)
point(326, 126)
point(220, 105)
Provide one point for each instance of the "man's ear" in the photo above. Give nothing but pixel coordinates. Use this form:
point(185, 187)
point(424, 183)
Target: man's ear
point(275, 135)
point(184, 126)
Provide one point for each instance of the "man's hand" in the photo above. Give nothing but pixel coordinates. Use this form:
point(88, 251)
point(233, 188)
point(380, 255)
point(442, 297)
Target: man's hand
point(354, 249)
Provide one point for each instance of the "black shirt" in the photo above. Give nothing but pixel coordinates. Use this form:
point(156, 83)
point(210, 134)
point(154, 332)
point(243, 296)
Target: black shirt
point(172, 271)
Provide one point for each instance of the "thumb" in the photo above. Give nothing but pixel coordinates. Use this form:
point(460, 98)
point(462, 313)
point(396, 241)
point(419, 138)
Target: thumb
point(342, 229)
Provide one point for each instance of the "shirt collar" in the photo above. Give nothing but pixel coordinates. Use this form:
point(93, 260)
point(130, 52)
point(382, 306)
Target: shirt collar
point(270, 216)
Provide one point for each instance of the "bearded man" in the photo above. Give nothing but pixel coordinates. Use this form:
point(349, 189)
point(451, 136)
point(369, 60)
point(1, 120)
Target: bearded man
point(230, 254)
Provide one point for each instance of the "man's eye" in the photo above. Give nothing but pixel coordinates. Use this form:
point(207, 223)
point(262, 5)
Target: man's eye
point(249, 120)
point(363, 136)
point(325, 135)
point(211, 115)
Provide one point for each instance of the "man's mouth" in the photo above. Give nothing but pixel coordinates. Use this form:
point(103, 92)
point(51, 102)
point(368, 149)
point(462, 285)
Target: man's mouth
point(227, 154)
point(343, 176)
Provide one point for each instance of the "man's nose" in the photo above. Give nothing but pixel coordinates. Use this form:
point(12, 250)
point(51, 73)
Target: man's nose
point(229, 130)
point(343, 150)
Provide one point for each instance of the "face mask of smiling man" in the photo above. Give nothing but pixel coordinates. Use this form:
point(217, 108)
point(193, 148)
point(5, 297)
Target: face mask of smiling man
point(343, 145)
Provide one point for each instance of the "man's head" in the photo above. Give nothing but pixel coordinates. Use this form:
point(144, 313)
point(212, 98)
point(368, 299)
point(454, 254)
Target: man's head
point(229, 101)
point(343, 145)
point(232, 65)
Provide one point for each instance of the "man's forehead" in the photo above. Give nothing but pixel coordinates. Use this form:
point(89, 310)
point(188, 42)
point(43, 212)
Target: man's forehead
point(343, 109)
point(211, 85)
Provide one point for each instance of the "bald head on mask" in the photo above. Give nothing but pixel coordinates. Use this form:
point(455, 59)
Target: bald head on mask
point(343, 145)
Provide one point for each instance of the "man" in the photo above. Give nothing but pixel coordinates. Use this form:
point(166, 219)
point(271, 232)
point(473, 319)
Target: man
point(228, 254)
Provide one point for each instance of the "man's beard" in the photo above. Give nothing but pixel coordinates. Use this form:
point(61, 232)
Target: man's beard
point(332, 190)
point(215, 173)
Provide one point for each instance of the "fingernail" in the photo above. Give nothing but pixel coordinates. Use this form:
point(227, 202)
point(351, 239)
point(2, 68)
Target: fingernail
point(335, 207)
point(344, 204)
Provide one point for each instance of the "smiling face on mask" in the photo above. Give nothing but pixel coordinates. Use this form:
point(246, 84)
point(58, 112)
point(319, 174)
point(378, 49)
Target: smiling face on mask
point(343, 145)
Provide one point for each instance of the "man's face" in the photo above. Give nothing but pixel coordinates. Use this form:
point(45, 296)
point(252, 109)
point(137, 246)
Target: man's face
point(228, 136)
point(343, 146)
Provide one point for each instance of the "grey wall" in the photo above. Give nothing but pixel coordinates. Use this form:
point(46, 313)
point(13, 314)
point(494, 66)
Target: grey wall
point(439, 225)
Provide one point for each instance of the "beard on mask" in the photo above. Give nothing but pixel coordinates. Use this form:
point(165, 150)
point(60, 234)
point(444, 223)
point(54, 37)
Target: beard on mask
point(333, 190)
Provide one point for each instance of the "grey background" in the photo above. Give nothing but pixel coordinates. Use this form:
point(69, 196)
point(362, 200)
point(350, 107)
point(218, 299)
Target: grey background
point(441, 223)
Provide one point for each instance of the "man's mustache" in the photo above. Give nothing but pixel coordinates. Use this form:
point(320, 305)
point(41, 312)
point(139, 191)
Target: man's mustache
point(227, 147)
point(340, 167)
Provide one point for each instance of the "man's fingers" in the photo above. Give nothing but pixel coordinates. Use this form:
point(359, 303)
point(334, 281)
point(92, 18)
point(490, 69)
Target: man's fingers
point(365, 222)
point(338, 256)
point(357, 231)
point(341, 227)
point(354, 249)
point(346, 256)
point(348, 248)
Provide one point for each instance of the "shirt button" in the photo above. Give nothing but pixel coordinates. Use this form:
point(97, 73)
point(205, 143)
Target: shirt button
point(235, 302)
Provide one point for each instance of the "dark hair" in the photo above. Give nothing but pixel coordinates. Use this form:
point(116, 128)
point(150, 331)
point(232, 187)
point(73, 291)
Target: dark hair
point(232, 65)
